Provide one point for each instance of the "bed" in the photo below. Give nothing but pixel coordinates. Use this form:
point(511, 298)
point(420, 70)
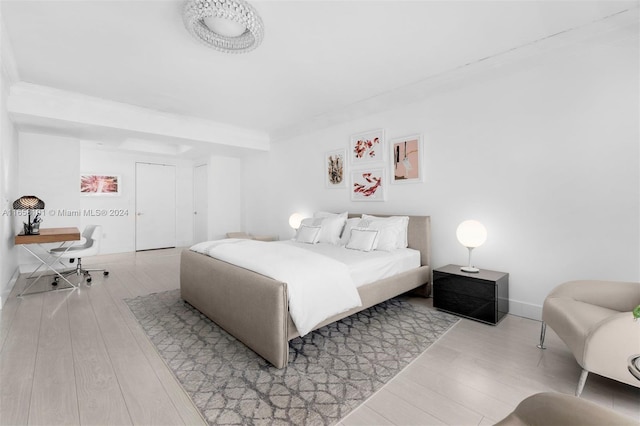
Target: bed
point(254, 308)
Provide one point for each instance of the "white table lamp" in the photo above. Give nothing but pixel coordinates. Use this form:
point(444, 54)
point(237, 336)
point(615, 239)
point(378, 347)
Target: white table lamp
point(471, 234)
point(295, 219)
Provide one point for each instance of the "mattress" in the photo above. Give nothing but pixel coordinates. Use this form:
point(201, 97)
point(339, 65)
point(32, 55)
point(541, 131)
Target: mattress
point(366, 267)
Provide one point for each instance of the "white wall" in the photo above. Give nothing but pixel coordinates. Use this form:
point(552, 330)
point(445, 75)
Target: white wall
point(8, 192)
point(49, 169)
point(545, 153)
point(119, 231)
point(51, 166)
point(225, 196)
point(259, 215)
point(8, 168)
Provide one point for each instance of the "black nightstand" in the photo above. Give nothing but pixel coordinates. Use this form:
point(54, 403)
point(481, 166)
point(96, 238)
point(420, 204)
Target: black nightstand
point(482, 296)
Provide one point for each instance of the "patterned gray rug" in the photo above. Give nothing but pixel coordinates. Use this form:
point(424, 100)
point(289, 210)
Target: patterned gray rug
point(331, 371)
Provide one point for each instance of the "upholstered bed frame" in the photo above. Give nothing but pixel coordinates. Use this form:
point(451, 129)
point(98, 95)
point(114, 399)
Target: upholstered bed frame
point(254, 308)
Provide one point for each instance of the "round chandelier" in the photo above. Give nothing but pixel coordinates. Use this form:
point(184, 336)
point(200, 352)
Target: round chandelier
point(231, 26)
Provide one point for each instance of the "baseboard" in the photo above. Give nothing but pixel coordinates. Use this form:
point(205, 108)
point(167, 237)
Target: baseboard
point(525, 310)
point(6, 290)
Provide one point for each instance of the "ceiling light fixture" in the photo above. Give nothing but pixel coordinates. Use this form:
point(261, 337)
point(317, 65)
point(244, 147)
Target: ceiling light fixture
point(231, 26)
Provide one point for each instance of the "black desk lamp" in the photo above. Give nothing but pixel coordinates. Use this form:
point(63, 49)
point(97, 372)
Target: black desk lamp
point(30, 202)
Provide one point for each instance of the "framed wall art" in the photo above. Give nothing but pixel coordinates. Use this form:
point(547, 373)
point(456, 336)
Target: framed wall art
point(335, 175)
point(368, 184)
point(91, 184)
point(406, 159)
point(366, 148)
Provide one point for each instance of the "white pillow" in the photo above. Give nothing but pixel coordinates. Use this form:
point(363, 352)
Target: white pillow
point(332, 225)
point(346, 232)
point(310, 221)
point(331, 229)
point(323, 215)
point(393, 231)
point(308, 234)
point(362, 239)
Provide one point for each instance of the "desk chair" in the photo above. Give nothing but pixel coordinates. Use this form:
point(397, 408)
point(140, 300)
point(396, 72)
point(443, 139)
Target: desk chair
point(91, 235)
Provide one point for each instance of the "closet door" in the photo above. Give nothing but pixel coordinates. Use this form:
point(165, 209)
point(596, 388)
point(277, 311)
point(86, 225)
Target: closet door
point(155, 206)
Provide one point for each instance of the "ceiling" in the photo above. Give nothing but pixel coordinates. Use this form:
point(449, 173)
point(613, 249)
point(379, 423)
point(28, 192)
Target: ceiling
point(317, 56)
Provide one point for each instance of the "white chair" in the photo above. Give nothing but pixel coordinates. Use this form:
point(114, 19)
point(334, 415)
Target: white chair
point(551, 408)
point(89, 246)
point(594, 320)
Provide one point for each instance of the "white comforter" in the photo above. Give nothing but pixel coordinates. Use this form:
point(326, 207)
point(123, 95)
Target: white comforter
point(318, 286)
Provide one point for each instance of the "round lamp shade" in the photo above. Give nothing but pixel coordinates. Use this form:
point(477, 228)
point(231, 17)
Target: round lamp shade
point(471, 233)
point(28, 202)
point(295, 220)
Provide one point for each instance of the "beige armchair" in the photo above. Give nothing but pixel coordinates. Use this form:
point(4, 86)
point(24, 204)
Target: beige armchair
point(550, 409)
point(594, 319)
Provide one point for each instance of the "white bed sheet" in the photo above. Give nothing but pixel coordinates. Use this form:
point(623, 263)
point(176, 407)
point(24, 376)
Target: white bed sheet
point(366, 267)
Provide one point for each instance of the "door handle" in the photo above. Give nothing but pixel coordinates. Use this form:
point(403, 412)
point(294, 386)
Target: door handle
point(139, 214)
point(195, 212)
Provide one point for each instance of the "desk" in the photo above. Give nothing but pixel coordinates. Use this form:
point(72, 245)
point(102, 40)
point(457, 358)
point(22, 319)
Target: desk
point(48, 235)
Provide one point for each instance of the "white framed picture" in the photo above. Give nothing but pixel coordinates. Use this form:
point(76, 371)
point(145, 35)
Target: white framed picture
point(407, 159)
point(368, 184)
point(367, 148)
point(335, 173)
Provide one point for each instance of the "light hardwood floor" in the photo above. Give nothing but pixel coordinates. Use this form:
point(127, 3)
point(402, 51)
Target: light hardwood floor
point(80, 358)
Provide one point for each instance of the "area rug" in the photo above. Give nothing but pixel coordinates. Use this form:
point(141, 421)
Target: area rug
point(330, 372)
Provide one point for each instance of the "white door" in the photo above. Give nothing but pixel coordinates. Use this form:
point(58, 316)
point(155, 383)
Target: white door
point(200, 204)
point(155, 206)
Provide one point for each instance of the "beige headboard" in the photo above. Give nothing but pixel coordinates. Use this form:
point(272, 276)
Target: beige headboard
point(418, 233)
